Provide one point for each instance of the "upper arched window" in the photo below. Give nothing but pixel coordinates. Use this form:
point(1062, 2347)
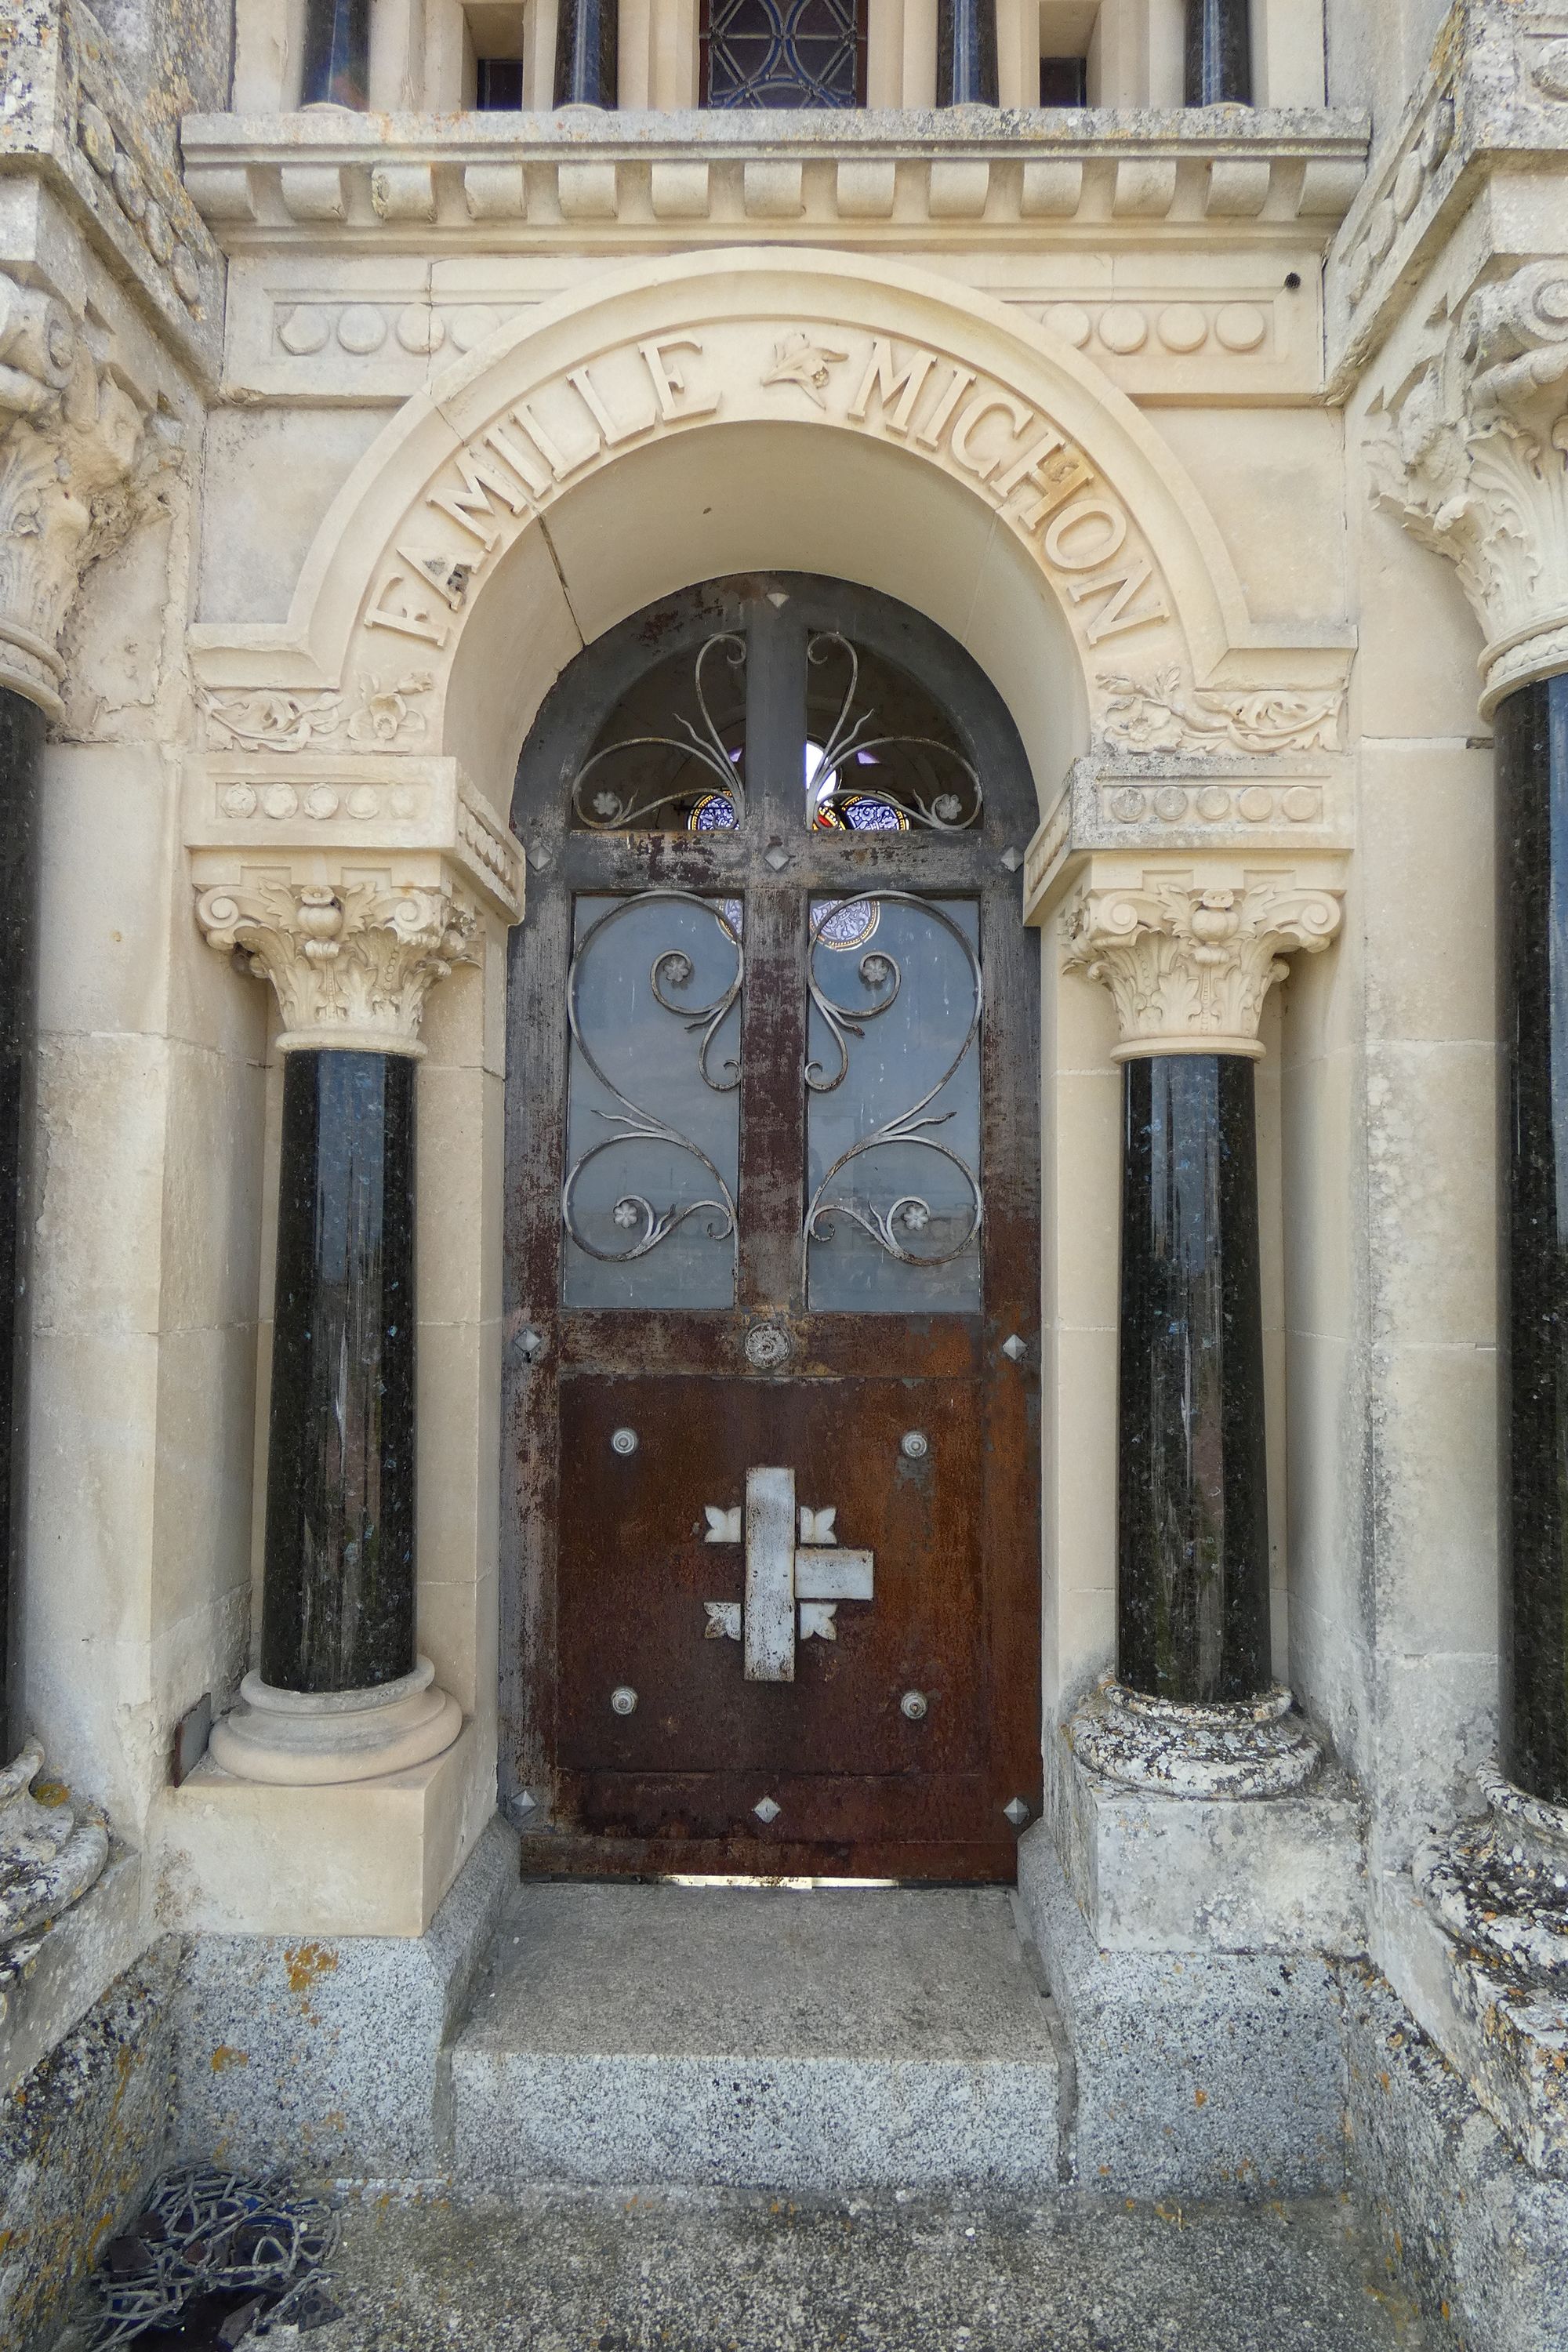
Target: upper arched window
point(783, 53)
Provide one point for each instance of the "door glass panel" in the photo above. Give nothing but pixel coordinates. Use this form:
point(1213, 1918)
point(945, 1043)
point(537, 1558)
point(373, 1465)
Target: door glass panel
point(653, 1101)
point(670, 756)
point(893, 1105)
point(882, 754)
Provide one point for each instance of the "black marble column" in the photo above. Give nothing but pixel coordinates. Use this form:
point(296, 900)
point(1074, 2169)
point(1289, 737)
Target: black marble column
point(1192, 1494)
point(1531, 735)
point(337, 53)
point(586, 65)
point(966, 53)
point(1218, 53)
point(21, 758)
point(338, 1600)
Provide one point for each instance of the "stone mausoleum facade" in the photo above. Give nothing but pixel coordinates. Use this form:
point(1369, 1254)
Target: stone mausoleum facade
point(784, 1083)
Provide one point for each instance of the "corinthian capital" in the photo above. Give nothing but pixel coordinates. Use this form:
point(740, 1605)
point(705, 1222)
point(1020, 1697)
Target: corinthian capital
point(1189, 966)
point(1474, 458)
point(353, 963)
point(69, 435)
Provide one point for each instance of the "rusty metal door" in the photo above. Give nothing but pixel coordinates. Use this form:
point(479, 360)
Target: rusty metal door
point(771, 1587)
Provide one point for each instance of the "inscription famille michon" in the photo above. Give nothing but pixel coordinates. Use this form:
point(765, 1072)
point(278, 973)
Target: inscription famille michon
point(1038, 479)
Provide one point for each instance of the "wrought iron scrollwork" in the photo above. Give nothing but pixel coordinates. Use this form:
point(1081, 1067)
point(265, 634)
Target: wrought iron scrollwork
point(953, 800)
point(895, 1228)
point(633, 1213)
point(604, 810)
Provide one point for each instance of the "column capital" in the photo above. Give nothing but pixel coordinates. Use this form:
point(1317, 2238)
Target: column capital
point(69, 437)
point(352, 961)
point(1472, 455)
point(1189, 955)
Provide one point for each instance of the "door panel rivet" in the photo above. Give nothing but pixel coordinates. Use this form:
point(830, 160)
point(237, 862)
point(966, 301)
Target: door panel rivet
point(914, 1445)
point(624, 1700)
point(913, 1706)
point(1016, 1810)
point(767, 1808)
point(623, 1441)
point(1014, 1349)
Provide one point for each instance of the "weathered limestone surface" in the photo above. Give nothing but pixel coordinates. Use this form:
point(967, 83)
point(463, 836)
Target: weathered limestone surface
point(1482, 2239)
point(78, 2141)
point(1199, 2072)
point(330, 2052)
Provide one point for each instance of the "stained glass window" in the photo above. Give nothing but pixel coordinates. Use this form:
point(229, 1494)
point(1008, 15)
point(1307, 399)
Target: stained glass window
point(782, 53)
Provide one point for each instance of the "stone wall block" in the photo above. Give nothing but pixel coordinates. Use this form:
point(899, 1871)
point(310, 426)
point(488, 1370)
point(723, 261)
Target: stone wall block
point(225, 194)
point(773, 191)
point(1198, 2072)
point(1145, 188)
point(958, 190)
point(329, 2052)
point(865, 190)
point(495, 192)
point(402, 191)
point(1237, 187)
point(1481, 2240)
point(81, 2139)
point(587, 191)
point(315, 192)
point(679, 191)
point(1051, 191)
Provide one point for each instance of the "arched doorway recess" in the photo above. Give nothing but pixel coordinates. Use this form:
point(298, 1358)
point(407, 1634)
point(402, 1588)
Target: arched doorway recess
point(771, 1249)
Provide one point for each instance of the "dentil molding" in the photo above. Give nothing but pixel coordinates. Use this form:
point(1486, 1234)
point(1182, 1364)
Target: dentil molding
point(1189, 956)
point(1473, 456)
point(69, 438)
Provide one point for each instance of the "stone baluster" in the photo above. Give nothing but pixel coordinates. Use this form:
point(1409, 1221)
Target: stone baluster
point(1474, 458)
point(1192, 1708)
point(69, 435)
point(342, 1693)
point(586, 52)
point(1218, 53)
point(337, 53)
point(966, 53)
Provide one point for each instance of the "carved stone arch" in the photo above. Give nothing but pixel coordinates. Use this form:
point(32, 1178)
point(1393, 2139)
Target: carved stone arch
point(926, 406)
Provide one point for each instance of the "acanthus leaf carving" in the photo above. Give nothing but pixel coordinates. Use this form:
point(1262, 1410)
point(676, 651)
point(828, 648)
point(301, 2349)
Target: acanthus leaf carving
point(69, 438)
point(267, 719)
point(1473, 457)
point(351, 963)
point(1163, 713)
point(270, 721)
point(1188, 966)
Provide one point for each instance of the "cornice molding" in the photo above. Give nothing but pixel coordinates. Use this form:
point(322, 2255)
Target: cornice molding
point(1472, 456)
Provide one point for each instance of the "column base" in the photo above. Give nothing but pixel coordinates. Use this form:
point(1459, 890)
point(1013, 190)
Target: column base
point(50, 1855)
point(1500, 1885)
point(303, 1739)
point(1248, 1748)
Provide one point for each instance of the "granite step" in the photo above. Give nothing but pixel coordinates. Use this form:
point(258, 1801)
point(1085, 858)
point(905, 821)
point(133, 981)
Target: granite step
point(823, 2039)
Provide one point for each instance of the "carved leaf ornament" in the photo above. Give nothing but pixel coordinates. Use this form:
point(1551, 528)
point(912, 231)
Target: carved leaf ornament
point(1188, 967)
point(1473, 457)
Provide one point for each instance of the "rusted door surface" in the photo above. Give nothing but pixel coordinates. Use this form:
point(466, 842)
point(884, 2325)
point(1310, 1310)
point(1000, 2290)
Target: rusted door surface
point(769, 1543)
